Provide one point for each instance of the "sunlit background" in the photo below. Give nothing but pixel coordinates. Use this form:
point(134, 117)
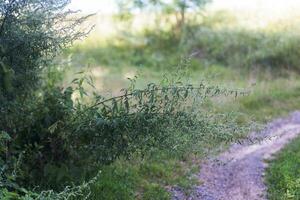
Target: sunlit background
point(251, 13)
point(269, 7)
point(92, 6)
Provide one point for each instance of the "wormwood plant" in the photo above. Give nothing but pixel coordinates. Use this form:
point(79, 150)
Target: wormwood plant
point(167, 116)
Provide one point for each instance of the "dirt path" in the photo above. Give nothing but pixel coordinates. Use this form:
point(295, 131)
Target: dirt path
point(237, 174)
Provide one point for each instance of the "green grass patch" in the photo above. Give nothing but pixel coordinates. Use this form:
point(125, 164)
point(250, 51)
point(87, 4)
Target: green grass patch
point(138, 178)
point(283, 174)
point(266, 100)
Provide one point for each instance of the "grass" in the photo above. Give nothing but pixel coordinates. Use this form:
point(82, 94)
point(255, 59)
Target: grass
point(268, 100)
point(283, 174)
point(142, 178)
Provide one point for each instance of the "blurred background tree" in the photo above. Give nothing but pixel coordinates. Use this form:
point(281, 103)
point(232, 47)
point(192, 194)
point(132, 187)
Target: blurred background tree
point(178, 8)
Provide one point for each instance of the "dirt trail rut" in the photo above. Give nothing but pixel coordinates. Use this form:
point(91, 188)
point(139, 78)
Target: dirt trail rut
point(237, 174)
